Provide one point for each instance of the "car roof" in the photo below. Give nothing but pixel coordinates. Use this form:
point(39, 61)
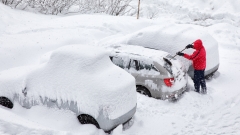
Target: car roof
point(135, 51)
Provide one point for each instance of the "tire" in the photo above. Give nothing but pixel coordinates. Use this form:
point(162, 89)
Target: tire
point(6, 102)
point(144, 91)
point(87, 119)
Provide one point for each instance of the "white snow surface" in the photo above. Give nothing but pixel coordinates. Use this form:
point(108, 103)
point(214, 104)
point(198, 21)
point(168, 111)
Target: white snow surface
point(200, 12)
point(24, 37)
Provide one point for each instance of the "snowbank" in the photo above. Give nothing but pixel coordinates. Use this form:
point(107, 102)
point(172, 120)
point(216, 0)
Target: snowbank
point(26, 36)
point(199, 12)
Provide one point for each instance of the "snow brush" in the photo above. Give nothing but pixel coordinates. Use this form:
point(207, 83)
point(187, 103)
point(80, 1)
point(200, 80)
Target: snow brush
point(168, 61)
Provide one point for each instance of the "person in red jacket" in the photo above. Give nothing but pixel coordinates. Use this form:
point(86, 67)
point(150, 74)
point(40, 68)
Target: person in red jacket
point(199, 64)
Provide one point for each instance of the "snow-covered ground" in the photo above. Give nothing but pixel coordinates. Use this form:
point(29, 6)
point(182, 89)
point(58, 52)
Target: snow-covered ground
point(25, 37)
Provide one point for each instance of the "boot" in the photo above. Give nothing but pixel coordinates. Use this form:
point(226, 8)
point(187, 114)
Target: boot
point(204, 91)
point(197, 91)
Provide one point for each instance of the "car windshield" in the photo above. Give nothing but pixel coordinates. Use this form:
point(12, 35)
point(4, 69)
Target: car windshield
point(168, 64)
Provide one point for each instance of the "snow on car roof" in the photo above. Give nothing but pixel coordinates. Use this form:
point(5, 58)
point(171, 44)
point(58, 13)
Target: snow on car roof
point(139, 51)
point(82, 74)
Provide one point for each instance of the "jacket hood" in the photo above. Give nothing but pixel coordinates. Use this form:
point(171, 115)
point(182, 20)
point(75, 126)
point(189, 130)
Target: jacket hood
point(198, 44)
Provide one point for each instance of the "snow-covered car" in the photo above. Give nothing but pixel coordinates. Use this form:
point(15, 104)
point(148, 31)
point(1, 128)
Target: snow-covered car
point(78, 78)
point(173, 38)
point(154, 76)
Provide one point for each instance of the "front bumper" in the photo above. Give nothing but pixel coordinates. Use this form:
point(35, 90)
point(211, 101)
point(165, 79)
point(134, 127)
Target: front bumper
point(109, 124)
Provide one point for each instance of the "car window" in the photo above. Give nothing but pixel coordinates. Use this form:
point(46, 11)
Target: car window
point(121, 62)
point(146, 66)
point(134, 64)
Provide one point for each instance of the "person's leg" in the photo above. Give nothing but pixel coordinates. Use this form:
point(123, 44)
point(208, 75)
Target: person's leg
point(203, 82)
point(196, 80)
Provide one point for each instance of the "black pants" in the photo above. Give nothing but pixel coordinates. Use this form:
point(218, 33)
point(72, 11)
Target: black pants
point(199, 80)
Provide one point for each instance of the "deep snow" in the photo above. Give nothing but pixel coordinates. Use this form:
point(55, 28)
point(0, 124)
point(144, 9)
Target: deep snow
point(25, 36)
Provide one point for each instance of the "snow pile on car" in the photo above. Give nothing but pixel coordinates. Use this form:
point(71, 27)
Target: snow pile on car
point(171, 38)
point(84, 75)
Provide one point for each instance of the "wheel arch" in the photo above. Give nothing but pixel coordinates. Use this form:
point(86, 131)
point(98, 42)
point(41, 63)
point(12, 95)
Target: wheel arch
point(90, 117)
point(139, 85)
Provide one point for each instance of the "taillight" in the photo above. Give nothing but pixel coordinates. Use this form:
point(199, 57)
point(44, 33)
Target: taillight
point(169, 81)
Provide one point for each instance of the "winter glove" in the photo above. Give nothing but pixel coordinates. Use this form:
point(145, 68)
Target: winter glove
point(180, 54)
point(189, 46)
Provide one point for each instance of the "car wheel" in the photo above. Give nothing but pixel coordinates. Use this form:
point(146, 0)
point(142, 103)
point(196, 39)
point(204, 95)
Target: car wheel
point(6, 102)
point(143, 90)
point(87, 119)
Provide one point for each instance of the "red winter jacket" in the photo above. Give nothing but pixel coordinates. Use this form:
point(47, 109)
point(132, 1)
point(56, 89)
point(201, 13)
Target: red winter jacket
point(199, 56)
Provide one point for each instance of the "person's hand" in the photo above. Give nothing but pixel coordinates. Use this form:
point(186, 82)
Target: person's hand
point(180, 54)
point(189, 46)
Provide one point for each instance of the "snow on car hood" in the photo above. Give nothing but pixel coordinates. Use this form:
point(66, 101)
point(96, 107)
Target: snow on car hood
point(84, 75)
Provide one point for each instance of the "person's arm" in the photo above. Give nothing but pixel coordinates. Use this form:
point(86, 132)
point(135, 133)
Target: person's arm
point(191, 57)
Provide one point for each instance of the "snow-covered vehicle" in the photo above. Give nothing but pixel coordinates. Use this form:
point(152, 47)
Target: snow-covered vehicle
point(78, 78)
point(154, 76)
point(173, 38)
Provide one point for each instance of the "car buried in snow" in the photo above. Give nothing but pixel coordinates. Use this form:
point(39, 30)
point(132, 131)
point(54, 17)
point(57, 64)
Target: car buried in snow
point(154, 76)
point(78, 78)
point(172, 38)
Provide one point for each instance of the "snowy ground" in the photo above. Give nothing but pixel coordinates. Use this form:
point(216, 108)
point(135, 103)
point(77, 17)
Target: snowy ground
point(25, 36)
